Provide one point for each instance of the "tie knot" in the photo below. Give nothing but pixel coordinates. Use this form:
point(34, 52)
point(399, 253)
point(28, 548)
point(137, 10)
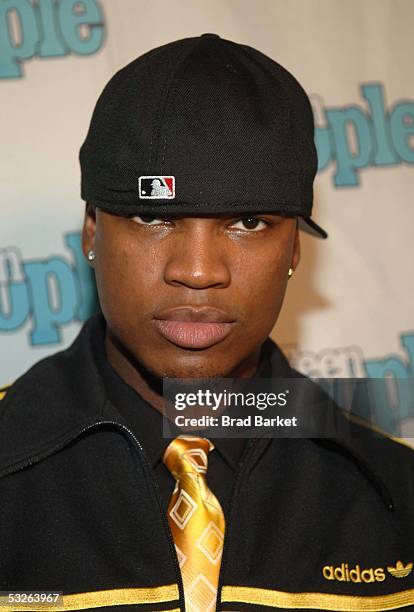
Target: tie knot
point(187, 454)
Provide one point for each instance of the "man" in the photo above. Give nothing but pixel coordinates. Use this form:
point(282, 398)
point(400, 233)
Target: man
point(95, 502)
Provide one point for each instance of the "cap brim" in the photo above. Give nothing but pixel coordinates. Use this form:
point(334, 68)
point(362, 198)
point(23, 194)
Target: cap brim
point(310, 227)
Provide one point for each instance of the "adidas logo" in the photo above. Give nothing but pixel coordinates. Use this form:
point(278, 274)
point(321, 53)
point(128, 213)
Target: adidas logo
point(344, 573)
point(400, 570)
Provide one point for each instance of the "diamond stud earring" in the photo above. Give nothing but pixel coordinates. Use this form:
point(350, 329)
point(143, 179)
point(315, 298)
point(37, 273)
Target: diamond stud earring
point(91, 255)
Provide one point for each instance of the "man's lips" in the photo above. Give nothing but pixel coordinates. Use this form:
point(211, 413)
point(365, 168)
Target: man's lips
point(191, 327)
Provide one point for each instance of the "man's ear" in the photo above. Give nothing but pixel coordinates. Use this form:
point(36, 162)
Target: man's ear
point(89, 229)
point(296, 248)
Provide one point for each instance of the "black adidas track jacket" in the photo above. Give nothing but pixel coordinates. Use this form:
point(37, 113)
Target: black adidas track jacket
point(313, 524)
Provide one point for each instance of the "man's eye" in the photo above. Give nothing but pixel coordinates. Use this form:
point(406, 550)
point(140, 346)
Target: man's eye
point(251, 223)
point(148, 220)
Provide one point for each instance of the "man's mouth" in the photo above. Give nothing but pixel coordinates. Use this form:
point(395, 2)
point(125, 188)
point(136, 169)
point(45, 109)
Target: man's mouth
point(194, 327)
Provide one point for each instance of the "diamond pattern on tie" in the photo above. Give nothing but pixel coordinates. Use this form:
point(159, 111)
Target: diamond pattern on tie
point(201, 595)
point(196, 520)
point(211, 543)
point(183, 509)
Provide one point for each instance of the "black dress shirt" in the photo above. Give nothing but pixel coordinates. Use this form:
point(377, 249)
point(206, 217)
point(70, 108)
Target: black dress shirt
point(146, 422)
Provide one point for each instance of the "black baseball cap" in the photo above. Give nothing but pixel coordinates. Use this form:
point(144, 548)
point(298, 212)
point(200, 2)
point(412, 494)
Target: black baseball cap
point(202, 125)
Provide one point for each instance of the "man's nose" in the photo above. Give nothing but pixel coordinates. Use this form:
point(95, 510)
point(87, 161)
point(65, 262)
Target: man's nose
point(198, 259)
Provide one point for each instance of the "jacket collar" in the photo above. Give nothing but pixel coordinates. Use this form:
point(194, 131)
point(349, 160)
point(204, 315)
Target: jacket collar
point(62, 395)
point(59, 396)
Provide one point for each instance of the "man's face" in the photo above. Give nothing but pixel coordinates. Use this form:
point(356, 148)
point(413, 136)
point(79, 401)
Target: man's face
point(146, 266)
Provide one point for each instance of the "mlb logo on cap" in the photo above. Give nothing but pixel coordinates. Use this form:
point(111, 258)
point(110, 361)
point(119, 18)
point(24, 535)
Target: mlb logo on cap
point(156, 187)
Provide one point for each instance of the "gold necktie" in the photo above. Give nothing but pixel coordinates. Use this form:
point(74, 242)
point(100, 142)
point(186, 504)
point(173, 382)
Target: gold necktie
point(196, 520)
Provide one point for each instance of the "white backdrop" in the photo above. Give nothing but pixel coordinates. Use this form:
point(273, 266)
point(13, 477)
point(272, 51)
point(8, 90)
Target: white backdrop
point(349, 310)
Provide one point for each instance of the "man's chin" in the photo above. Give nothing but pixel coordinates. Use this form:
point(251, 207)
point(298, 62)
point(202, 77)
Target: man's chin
point(208, 370)
point(218, 361)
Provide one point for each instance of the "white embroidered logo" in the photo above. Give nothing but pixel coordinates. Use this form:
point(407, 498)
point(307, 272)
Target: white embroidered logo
point(156, 187)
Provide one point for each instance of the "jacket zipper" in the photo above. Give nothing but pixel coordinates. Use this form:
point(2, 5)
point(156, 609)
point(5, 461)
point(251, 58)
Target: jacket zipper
point(147, 467)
